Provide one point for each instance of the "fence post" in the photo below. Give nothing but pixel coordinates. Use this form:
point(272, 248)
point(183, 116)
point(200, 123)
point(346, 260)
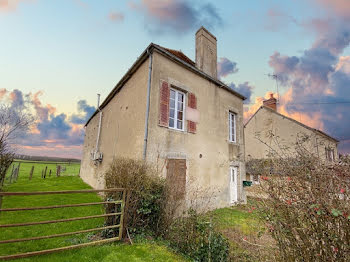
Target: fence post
point(125, 217)
point(12, 173)
point(13, 167)
point(19, 166)
point(16, 174)
point(45, 171)
point(31, 173)
point(122, 210)
point(58, 170)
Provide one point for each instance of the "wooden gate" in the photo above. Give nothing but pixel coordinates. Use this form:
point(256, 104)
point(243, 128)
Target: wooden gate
point(119, 205)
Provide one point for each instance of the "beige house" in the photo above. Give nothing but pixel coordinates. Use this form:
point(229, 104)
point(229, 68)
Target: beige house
point(271, 134)
point(174, 113)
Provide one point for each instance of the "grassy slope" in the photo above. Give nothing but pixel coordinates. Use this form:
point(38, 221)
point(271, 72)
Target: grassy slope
point(111, 252)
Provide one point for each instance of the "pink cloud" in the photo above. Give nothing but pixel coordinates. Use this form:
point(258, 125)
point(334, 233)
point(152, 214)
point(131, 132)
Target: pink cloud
point(278, 19)
point(339, 7)
point(3, 92)
point(176, 15)
point(11, 5)
point(116, 16)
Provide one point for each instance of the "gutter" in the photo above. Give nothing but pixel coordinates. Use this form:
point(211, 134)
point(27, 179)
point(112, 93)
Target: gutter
point(99, 124)
point(148, 103)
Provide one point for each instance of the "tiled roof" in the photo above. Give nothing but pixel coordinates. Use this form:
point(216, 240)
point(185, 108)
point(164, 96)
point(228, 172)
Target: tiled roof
point(180, 55)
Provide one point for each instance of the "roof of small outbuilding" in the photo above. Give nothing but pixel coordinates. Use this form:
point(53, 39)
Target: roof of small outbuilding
point(295, 121)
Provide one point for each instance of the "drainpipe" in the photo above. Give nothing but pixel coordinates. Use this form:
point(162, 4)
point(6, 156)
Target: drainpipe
point(148, 102)
point(99, 123)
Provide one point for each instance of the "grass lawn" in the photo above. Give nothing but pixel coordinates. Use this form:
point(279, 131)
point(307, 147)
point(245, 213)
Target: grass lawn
point(26, 166)
point(145, 251)
point(245, 231)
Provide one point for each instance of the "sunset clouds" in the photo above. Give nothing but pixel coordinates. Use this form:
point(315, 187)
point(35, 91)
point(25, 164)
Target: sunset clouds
point(53, 133)
point(74, 49)
point(317, 82)
point(166, 16)
point(226, 67)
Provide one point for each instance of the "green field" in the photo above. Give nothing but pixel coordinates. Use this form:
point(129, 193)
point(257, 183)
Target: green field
point(143, 251)
point(26, 166)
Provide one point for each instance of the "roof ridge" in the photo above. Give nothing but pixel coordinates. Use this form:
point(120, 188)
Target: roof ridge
point(296, 121)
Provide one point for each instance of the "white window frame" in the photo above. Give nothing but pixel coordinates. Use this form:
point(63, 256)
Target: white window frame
point(232, 137)
point(177, 92)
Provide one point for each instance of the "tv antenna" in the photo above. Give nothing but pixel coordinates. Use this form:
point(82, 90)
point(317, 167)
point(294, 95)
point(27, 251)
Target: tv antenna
point(275, 77)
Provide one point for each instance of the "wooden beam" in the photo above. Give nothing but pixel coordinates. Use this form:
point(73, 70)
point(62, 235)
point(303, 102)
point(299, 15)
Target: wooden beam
point(58, 220)
point(48, 251)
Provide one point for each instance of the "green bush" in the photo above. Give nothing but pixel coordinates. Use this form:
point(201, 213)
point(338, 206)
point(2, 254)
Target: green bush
point(194, 236)
point(152, 212)
point(146, 191)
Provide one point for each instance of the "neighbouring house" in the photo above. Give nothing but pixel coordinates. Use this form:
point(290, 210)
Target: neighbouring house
point(270, 134)
point(176, 114)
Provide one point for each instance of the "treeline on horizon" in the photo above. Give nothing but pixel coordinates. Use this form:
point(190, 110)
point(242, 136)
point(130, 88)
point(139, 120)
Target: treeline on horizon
point(46, 158)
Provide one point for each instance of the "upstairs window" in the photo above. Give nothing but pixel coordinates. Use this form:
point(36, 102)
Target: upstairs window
point(232, 126)
point(176, 109)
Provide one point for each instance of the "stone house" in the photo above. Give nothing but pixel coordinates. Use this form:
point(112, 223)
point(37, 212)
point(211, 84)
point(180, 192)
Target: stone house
point(270, 134)
point(176, 114)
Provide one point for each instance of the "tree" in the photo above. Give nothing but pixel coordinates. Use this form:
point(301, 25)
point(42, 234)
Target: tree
point(14, 122)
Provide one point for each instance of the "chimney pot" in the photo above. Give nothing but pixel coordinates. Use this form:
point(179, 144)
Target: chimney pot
point(271, 102)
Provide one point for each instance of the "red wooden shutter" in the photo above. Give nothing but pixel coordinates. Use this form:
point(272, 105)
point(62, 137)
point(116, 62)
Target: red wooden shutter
point(192, 103)
point(164, 95)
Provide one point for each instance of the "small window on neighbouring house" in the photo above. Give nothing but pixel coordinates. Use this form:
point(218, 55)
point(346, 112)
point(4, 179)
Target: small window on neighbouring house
point(232, 124)
point(176, 109)
point(329, 154)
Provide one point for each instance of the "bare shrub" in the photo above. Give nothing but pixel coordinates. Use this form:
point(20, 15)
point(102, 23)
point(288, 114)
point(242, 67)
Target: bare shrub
point(154, 210)
point(195, 236)
point(13, 123)
point(146, 189)
point(307, 210)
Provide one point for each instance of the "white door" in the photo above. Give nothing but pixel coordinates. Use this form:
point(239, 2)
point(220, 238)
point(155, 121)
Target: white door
point(233, 185)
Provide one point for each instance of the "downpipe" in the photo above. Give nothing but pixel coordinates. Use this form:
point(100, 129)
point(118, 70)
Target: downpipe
point(147, 106)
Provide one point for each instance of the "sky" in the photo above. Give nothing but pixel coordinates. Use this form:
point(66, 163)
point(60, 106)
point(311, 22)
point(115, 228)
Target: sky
point(55, 56)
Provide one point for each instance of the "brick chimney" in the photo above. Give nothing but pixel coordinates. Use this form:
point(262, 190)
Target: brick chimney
point(271, 102)
point(206, 52)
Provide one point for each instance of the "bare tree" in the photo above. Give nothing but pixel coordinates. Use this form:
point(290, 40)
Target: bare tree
point(14, 122)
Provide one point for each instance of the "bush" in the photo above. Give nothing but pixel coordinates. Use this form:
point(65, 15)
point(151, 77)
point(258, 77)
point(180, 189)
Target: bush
point(308, 209)
point(195, 237)
point(146, 189)
point(152, 210)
